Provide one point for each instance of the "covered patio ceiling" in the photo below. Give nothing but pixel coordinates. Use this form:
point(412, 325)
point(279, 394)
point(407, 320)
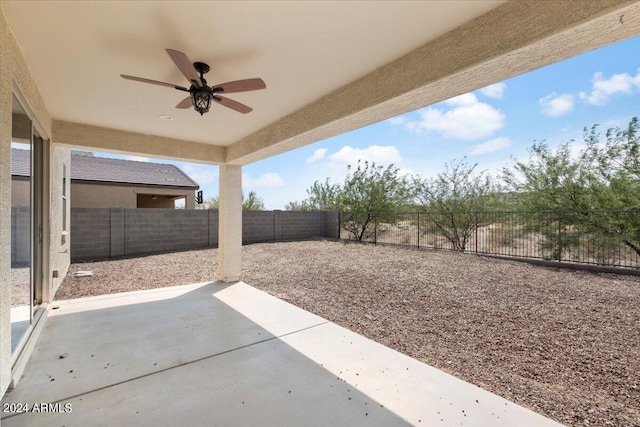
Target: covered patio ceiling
point(330, 67)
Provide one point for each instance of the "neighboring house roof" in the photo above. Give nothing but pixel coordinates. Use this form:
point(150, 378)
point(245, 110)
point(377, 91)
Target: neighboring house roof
point(100, 169)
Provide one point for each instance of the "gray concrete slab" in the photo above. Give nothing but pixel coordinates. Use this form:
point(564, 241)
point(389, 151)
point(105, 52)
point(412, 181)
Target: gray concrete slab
point(230, 355)
point(20, 322)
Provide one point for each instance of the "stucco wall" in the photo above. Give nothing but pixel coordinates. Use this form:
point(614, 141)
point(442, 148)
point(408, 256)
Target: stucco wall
point(60, 246)
point(108, 196)
point(86, 195)
point(13, 71)
point(148, 201)
point(5, 205)
point(111, 233)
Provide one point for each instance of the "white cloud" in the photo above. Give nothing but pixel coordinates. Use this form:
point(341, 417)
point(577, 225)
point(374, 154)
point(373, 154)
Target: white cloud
point(348, 155)
point(318, 155)
point(408, 172)
point(464, 100)
point(468, 119)
point(398, 120)
point(554, 105)
point(202, 174)
point(577, 149)
point(603, 88)
point(491, 146)
point(494, 91)
point(266, 180)
point(334, 166)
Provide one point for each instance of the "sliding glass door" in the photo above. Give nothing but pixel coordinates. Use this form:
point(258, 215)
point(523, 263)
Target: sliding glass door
point(26, 162)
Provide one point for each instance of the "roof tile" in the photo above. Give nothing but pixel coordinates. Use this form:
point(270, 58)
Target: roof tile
point(90, 168)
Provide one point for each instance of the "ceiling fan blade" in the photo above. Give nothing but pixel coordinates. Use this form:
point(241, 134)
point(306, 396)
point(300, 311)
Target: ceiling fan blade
point(234, 105)
point(185, 66)
point(155, 82)
point(240, 86)
point(185, 103)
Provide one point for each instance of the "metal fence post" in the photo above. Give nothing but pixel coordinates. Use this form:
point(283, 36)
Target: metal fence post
point(418, 229)
point(475, 219)
point(559, 235)
point(375, 229)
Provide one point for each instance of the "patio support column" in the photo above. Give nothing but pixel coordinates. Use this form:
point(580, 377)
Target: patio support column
point(230, 223)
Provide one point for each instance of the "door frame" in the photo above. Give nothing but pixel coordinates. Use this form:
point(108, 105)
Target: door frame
point(40, 197)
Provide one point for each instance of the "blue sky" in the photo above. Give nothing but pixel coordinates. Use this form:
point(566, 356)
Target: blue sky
point(490, 126)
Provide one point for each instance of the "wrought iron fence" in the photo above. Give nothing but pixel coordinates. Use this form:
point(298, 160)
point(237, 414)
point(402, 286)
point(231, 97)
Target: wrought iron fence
point(606, 238)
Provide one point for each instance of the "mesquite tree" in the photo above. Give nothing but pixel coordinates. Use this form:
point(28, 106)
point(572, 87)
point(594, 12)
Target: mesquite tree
point(457, 201)
point(369, 193)
point(596, 192)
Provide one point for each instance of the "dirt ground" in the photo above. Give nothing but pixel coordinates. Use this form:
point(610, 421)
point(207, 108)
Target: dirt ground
point(564, 343)
point(20, 286)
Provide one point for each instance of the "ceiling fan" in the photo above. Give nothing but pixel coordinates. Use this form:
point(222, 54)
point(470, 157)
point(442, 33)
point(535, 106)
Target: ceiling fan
point(200, 94)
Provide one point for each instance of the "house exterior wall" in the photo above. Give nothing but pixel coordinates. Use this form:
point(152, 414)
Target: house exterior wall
point(5, 208)
point(89, 195)
point(6, 72)
point(102, 196)
point(59, 241)
point(100, 233)
point(147, 201)
point(108, 196)
point(14, 73)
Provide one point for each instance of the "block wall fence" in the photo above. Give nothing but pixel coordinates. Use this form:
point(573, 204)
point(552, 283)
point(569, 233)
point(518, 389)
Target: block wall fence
point(103, 233)
point(20, 236)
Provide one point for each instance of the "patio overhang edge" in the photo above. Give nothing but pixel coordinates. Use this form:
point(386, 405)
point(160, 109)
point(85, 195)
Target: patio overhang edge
point(510, 40)
point(118, 141)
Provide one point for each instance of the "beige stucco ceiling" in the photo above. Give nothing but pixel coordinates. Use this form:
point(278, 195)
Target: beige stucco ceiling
point(329, 66)
point(76, 51)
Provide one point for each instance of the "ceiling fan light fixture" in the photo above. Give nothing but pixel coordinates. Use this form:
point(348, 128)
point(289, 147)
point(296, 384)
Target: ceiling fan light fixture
point(201, 99)
point(200, 94)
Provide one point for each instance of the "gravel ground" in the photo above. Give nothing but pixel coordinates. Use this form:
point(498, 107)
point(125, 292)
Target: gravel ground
point(20, 286)
point(565, 344)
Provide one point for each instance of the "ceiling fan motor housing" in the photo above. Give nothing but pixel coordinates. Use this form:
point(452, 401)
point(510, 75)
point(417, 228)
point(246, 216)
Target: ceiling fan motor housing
point(201, 67)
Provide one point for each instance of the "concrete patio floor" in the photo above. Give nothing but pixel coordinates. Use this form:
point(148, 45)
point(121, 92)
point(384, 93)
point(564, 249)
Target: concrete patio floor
point(231, 355)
